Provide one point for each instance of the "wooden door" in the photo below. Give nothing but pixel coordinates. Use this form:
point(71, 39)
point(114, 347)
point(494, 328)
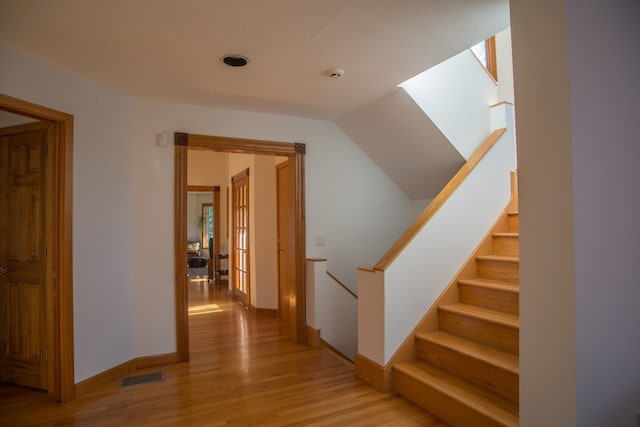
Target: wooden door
point(23, 290)
point(286, 290)
point(241, 238)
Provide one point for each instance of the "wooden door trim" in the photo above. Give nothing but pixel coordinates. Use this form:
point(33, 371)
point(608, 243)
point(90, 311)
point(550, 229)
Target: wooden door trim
point(295, 152)
point(180, 250)
point(61, 356)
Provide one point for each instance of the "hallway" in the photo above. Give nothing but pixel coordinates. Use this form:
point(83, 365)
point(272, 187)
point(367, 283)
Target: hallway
point(244, 371)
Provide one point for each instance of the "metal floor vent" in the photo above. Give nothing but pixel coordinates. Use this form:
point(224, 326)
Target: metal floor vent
point(151, 377)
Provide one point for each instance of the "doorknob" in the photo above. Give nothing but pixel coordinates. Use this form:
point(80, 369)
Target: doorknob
point(3, 271)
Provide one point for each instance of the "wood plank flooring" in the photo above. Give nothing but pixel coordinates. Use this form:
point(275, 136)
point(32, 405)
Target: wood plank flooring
point(244, 371)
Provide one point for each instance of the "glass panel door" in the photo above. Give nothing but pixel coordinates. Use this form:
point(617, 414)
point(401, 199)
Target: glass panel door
point(240, 252)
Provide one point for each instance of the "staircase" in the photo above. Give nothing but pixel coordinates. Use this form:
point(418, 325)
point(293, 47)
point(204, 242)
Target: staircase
point(466, 372)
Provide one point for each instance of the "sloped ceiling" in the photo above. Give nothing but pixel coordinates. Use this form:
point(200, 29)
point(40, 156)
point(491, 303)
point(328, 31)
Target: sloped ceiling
point(403, 142)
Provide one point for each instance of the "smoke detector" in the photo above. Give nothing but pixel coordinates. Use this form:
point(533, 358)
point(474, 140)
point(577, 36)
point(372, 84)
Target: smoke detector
point(334, 73)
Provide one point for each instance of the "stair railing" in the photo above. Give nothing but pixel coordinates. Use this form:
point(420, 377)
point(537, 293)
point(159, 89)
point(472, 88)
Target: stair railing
point(332, 310)
point(399, 289)
point(438, 201)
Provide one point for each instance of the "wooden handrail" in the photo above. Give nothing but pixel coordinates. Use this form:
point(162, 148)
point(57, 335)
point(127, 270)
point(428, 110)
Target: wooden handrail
point(334, 277)
point(438, 201)
point(342, 284)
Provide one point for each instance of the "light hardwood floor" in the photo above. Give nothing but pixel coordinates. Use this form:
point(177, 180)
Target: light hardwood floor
point(244, 372)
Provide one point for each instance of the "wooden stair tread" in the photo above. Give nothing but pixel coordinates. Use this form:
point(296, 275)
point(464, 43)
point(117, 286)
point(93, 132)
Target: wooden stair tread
point(503, 258)
point(487, 354)
point(504, 319)
point(482, 401)
point(491, 284)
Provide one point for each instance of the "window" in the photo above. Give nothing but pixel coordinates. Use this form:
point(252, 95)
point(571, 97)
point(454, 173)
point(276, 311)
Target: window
point(207, 223)
point(485, 51)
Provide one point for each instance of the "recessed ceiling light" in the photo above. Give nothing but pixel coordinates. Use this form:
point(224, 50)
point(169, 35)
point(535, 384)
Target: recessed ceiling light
point(234, 60)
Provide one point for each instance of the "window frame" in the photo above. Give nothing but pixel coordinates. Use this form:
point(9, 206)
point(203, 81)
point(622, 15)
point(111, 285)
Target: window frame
point(491, 64)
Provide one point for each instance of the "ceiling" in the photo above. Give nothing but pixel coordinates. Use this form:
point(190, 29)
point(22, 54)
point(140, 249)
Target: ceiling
point(170, 50)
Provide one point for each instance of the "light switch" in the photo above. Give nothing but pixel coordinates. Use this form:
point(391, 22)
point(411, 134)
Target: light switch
point(164, 139)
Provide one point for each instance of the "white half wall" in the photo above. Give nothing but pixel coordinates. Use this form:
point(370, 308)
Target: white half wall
point(432, 259)
point(392, 302)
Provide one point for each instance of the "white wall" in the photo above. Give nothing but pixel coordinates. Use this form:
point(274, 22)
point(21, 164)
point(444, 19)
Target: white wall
point(579, 211)
point(266, 234)
point(262, 226)
point(372, 210)
point(349, 200)
point(211, 168)
point(103, 262)
point(458, 90)
point(547, 275)
point(123, 204)
point(605, 141)
point(350, 203)
point(504, 63)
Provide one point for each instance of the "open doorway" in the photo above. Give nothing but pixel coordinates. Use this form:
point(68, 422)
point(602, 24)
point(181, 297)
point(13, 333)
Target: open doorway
point(204, 237)
point(50, 329)
point(295, 154)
